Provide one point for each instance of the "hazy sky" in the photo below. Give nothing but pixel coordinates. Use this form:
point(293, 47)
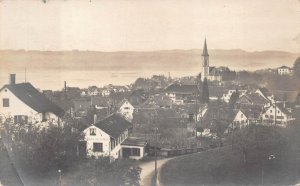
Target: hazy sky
point(113, 25)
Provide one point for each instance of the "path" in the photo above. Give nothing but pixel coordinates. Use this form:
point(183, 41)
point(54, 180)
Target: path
point(148, 170)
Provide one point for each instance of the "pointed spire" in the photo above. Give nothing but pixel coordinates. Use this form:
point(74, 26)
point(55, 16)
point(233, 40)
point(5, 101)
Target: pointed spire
point(205, 52)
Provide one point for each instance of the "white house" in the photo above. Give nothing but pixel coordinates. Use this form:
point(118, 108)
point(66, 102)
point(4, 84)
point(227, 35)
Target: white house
point(182, 93)
point(277, 114)
point(104, 138)
point(93, 91)
point(284, 70)
point(240, 120)
point(126, 109)
point(23, 104)
point(105, 92)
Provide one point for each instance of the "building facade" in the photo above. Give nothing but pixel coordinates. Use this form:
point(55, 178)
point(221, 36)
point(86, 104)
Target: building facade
point(23, 104)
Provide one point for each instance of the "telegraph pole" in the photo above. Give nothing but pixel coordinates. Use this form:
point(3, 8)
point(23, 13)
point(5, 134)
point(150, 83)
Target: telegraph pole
point(155, 155)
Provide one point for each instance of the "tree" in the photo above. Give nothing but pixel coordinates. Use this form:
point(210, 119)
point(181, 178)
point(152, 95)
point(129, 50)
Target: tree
point(257, 142)
point(296, 67)
point(43, 149)
point(233, 98)
point(205, 92)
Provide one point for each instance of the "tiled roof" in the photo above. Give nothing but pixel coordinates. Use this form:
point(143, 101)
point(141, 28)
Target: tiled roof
point(100, 101)
point(114, 125)
point(33, 98)
point(255, 99)
point(265, 92)
point(182, 88)
point(157, 101)
point(132, 141)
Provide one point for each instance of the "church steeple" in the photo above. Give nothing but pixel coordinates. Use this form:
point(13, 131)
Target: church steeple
point(205, 56)
point(205, 52)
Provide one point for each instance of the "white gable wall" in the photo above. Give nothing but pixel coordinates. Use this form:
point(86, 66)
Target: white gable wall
point(127, 110)
point(281, 117)
point(100, 137)
point(17, 107)
point(241, 119)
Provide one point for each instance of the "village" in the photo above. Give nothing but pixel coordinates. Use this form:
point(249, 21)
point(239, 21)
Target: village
point(153, 117)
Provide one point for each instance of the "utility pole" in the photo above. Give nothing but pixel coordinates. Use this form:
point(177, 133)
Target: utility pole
point(275, 119)
point(155, 155)
point(59, 179)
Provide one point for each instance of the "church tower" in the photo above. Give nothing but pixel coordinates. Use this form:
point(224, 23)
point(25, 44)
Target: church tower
point(205, 62)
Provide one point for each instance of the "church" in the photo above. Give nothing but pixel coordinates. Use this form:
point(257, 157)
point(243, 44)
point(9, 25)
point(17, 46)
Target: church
point(209, 72)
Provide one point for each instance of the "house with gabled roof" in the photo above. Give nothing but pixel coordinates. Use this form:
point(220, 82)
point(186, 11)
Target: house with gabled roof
point(105, 138)
point(252, 99)
point(277, 114)
point(182, 93)
point(126, 109)
point(157, 101)
point(284, 70)
point(93, 90)
point(24, 104)
point(238, 118)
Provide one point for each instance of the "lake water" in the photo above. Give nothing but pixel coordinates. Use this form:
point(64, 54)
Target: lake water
point(54, 79)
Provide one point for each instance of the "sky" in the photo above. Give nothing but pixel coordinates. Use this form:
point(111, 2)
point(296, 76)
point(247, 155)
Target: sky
point(142, 25)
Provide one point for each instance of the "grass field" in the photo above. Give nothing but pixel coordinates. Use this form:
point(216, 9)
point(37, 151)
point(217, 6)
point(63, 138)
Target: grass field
point(225, 167)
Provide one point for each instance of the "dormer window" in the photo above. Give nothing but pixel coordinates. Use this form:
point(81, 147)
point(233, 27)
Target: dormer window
point(5, 102)
point(92, 132)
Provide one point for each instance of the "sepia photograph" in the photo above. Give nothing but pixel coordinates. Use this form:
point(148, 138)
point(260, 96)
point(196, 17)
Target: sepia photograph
point(149, 93)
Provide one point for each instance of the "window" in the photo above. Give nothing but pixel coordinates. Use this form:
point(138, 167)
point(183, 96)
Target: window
point(98, 147)
point(92, 132)
point(267, 116)
point(5, 102)
point(270, 111)
point(20, 119)
point(126, 108)
point(135, 152)
point(242, 115)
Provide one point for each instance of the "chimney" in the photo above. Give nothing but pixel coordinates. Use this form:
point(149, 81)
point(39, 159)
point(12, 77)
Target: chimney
point(12, 79)
point(95, 118)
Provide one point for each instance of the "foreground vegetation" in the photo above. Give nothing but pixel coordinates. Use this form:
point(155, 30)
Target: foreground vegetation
point(49, 157)
point(248, 161)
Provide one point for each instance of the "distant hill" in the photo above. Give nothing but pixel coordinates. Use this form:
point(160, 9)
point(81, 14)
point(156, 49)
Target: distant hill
point(174, 60)
point(48, 70)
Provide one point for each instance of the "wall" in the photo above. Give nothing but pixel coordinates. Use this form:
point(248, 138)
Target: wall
point(100, 137)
